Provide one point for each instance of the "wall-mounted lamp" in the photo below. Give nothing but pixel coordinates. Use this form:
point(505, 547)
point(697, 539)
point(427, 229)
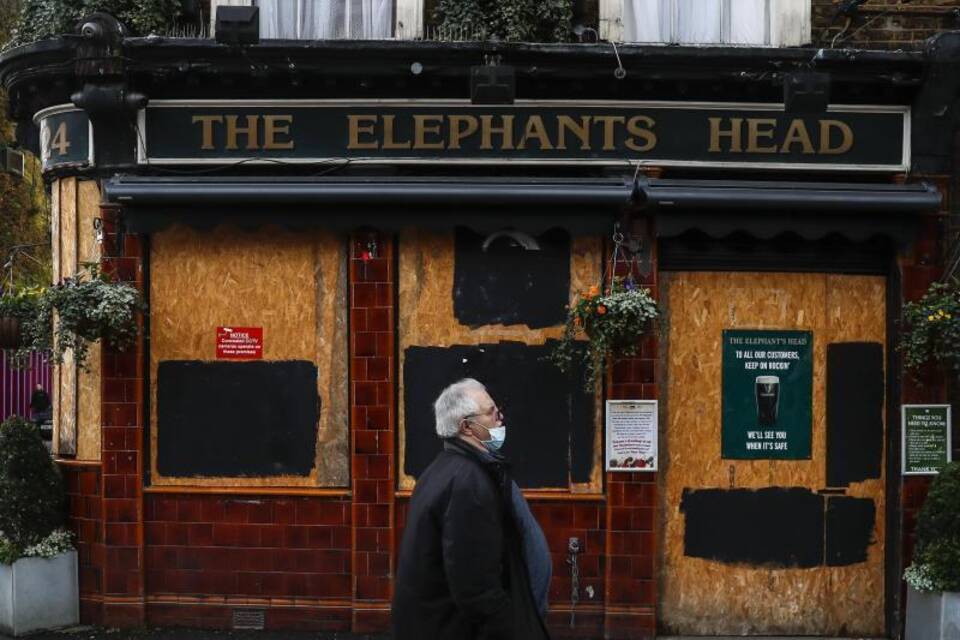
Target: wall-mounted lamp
point(493, 83)
point(238, 25)
point(98, 230)
point(11, 161)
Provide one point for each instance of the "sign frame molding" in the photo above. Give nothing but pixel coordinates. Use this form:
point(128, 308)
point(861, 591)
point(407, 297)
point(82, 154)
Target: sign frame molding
point(903, 437)
point(144, 159)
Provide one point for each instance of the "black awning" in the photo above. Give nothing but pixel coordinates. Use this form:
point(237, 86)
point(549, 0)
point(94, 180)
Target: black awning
point(818, 197)
point(811, 210)
point(584, 205)
point(532, 204)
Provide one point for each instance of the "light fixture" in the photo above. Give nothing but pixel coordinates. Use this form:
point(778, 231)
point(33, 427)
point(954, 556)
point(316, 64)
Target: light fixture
point(238, 25)
point(492, 83)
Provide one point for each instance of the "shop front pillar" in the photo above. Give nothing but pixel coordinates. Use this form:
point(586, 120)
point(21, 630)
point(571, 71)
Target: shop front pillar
point(122, 447)
point(631, 514)
point(372, 427)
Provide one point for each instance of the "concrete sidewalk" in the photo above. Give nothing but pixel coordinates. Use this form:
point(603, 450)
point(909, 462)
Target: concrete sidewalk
point(100, 633)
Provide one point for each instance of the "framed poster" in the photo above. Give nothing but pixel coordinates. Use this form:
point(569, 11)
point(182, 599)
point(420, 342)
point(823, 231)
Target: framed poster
point(925, 433)
point(632, 435)
point(767, 394)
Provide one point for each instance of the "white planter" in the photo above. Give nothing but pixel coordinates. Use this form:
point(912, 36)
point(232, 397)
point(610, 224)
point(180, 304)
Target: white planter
point(39, 593)
point(933, 616)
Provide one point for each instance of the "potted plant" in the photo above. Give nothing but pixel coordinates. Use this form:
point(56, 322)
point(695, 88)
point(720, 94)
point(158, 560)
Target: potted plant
point(613, 323)
point(933, 595)
point(38, 565)
point(931, 329)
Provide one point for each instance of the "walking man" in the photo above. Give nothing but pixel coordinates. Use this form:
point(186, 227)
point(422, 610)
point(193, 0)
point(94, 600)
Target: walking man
point(473, 561)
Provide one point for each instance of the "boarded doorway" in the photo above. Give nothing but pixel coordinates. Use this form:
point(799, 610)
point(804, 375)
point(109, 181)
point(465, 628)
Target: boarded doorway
point(755, 544)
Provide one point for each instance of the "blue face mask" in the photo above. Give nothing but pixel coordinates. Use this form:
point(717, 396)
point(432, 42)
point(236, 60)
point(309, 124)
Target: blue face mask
point(497, 436)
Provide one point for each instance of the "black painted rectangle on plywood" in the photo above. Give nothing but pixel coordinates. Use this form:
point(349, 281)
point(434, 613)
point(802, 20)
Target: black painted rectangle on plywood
point(854, 412)
point(236, 419)
point(849, 529)
point(511, 278)
point(774, 526)
point(548, 415)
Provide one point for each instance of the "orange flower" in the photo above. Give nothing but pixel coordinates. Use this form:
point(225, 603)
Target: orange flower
point(594, 291)
point(601, 309)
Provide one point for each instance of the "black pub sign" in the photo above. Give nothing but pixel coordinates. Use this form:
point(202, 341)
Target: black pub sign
point(863, 138)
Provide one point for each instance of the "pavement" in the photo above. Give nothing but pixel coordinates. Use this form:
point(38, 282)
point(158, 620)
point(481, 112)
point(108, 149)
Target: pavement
point(100, 633)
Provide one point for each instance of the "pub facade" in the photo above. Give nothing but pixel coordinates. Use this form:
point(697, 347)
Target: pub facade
point(328, 232)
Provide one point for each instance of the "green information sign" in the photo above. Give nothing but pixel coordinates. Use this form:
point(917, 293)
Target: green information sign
point(926, 438)
point(767, 394)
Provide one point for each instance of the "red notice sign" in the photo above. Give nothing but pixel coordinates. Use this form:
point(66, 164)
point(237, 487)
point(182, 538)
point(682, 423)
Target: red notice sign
point(239, 343)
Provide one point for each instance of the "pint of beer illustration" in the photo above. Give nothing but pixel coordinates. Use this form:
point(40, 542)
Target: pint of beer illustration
point(768, 400)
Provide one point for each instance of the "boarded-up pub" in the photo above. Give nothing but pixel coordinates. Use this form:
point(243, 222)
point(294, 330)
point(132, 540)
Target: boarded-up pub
point(328, 232)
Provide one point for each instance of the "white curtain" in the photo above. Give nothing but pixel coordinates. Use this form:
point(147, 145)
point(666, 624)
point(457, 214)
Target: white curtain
point(699, 21)
point(326, 19)
point(748, 22)
point(647, 20)
point(696, 21)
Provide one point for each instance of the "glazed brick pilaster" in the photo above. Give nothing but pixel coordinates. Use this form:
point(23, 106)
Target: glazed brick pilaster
point(122, 448)
point(630, 586)
point(84, 518)
point(372, 420)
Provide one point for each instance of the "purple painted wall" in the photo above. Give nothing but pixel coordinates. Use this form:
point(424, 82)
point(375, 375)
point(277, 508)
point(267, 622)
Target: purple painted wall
point(16, 385)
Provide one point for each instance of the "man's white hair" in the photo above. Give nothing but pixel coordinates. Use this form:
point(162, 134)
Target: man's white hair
point(453, 403)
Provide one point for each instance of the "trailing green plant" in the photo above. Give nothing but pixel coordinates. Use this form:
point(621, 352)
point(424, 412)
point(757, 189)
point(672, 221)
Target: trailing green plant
point(931, 328)
point(32, 497)
point(509, 20)
point(613, 323)
point(936, 563)
point(71, 315)
point(40, 19)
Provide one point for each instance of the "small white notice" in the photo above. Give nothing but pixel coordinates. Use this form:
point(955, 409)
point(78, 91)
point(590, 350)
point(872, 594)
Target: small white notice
point(631, 435)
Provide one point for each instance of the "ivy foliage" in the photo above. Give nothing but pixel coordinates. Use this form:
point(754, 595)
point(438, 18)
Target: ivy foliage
point(509, 20)
point(40, 19)
point(938, 531)
point(32, 497)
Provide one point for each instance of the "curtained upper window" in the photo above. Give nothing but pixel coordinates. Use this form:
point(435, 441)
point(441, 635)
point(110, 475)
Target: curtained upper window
point(743, 22)
point(326, 19)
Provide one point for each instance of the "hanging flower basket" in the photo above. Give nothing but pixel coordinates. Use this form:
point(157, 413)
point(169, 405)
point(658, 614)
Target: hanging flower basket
point(73, 314)
point(613, 323)
point(931, 329)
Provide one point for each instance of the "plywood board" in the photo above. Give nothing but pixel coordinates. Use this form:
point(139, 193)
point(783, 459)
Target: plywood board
point(707, 597)
point(55, 268)
point(89, 378)
point(293, 285)
point(426, 268)
point(67, 408)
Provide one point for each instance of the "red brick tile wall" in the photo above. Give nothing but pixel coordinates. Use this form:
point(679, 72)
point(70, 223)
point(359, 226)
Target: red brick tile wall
point(84, 519)
point(884, 24)
point(631, 585)
point(372, 426)
point(121, 448)
point(210, 553)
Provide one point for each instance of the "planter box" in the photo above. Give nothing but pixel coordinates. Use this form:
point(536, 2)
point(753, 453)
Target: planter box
point(39, 593)
point(933, 616)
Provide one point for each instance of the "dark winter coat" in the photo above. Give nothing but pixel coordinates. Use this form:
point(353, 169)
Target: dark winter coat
point(461, 572)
